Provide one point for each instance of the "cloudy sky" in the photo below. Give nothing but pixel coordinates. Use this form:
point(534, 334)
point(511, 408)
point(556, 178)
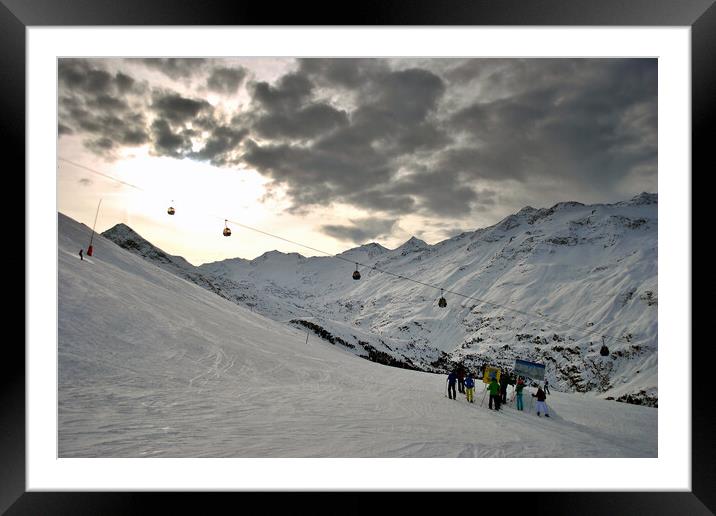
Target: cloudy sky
point(339, 152)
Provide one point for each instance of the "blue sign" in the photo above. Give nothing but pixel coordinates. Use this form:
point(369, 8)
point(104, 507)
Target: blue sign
point(529, 369)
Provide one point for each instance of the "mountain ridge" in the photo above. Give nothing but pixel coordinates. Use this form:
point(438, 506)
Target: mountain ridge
point(592, 265)
point(152, 365)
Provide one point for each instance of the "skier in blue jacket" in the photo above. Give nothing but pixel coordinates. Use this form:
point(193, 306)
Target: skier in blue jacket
point(470, 388)
point(452, 380)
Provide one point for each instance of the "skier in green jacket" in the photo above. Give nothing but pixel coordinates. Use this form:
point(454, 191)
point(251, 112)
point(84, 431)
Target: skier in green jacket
point(494, 393)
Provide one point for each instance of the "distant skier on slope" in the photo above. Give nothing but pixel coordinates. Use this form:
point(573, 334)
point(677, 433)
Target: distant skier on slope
point(518, 394)
point(494, 388)
point(541, 405)
point(470, 388)
point(81, 258)
point(546, 386)
point(451, 380)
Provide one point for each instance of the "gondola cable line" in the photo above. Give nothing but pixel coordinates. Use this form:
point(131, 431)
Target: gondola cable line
point(227, 232)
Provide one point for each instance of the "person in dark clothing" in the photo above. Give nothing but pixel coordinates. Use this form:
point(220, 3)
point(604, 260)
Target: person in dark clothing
point(451, 380)
point(461, 380)
point(541, 405)
point(504, 382)
point(494, 388)
point(81, 258)
point(546, 386)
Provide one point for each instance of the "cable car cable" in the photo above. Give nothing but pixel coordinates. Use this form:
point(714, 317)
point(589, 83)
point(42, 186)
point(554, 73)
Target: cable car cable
point(528, 315)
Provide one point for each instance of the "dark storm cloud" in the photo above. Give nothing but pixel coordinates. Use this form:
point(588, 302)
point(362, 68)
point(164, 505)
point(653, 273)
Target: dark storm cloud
point(169, 143)
point(362, 230)
point(83, 76)
point(406, 96)
point(106, 102)
point(226, 80)
point(220, 147)
point(101, 146)
point(101, 105)
point(180, 121)
point(290, 92)
point(589, 122)
point(177, 109)
point(351, 157)
point(113, 110)
point(478, 163)
point(176, 68)
point(124, 82)
point(387, 135)
point(79, 75)
point(437, 191)
point(316, 176)
point(379, 200)
point(305, 123)
point(350, 73)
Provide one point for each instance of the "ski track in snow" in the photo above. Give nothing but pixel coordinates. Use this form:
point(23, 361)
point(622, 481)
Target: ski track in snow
point(151, 365)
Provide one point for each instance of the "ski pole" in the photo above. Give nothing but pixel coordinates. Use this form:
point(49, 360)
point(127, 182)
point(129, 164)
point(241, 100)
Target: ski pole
point(483, 396)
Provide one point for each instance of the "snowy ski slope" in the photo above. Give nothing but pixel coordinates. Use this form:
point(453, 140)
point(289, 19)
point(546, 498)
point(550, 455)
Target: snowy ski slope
point(592, 266)
point(151, 364)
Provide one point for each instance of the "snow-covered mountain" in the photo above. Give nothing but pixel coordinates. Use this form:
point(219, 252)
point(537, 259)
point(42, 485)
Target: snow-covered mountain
point(544, 285)
point(152, 365)
point(127, 238)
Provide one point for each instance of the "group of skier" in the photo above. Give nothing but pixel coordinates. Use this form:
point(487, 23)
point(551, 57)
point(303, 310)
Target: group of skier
point(465, 383)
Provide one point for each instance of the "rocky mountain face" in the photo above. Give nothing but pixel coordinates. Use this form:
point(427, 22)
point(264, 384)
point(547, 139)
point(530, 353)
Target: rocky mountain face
point(572, 286)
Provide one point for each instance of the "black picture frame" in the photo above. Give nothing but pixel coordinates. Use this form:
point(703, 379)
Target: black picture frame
point(17, 15)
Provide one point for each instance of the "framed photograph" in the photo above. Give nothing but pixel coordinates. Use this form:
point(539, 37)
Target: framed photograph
point(420, 252)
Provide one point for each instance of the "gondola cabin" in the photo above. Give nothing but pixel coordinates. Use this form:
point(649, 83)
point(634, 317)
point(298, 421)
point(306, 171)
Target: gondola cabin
point(441, 302)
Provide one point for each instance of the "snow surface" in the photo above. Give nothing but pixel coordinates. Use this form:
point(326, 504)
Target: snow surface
point(592, 266)
point(151, 364)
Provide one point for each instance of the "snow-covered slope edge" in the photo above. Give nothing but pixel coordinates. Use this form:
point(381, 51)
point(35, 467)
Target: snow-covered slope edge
point(153, 365)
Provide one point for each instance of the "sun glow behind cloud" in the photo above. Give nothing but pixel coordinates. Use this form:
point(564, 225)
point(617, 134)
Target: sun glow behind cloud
point(203, 197)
